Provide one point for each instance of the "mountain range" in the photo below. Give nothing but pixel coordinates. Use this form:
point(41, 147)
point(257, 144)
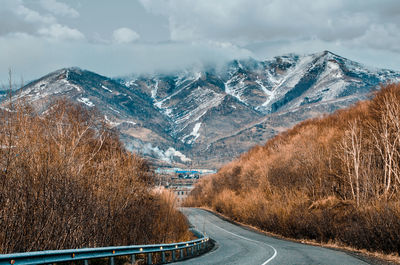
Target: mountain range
point(205, 118)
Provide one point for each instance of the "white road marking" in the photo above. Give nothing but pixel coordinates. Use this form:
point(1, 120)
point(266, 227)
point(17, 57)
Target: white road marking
point(251, 240)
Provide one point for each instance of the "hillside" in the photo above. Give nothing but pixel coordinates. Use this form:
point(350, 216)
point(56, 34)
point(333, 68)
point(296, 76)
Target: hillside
point(333, 179)
point(67, 182)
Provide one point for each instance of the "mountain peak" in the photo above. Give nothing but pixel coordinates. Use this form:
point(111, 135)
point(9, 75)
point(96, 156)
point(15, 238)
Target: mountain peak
point(326, 52)
point(331, 55)
point(200, 114)
point(65, 70)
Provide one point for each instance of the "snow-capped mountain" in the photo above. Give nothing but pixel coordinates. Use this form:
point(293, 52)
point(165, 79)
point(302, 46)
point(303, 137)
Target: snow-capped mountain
point(207, 117)
point(128, 110)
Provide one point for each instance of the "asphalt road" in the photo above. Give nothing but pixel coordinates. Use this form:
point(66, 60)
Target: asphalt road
point(237, 245)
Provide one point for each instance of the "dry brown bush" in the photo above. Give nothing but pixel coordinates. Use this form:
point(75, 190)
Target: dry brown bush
point(67, 182)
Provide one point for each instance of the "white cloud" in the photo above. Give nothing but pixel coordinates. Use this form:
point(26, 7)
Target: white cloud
point(32, 16)
point(177, 34)
point(46, 55)
point(59, 8)
point(125, 35)
point(60, 32)
point(243, 21)
point(383, 37)
point(19, 19)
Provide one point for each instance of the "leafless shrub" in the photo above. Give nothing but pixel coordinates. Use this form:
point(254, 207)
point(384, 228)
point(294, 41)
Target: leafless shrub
point(67, 182)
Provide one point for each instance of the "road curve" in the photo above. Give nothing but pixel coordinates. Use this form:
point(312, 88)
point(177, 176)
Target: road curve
point(237, 245)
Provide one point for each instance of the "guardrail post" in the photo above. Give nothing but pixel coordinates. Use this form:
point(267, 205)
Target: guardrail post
point(181, 253)
point(149, 261)
point(133, 259)
point(163, 257)
point(86, 262)
point(192, 250)
point(112, 261)
point(173, 255)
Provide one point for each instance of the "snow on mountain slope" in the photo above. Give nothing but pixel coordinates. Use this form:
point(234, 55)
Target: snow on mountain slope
point(211, 115)
point(244, 91)
point(129, 111)
point(290, 81)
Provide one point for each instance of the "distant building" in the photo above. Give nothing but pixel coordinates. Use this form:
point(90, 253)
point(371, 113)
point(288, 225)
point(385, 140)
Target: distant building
point(181, 181)
point(182, 192)
point(187, 174)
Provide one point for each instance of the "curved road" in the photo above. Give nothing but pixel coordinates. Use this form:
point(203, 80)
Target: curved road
point(236, 245)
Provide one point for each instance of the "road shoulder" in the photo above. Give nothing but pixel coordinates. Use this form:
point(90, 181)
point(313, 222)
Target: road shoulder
point(369, 257)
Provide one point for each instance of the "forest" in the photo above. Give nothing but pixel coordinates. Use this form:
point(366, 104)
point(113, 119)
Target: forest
point(333, 179)
point(66, 181)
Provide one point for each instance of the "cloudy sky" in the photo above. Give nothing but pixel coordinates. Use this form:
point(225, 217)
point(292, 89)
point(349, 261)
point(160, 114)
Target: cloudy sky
point(136, 36)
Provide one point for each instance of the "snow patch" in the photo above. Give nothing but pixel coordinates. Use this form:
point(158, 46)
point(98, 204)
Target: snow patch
point(130, 83)
point(86, 101)
point(71, 85)
point(154, 90)
point(196, 128)
point(270, 94)
point(115, 123)
point(204, 100)
point(240, 65)
point(263, 88)
point(130, 122)
point(201, 115)
point(332, 70)
point(235, 90)
point(106, 88)
point(332, 66)
point(158, 104)
point(294, 74)
point(114, 110)
point(168, 112)
point(195, 133)
point(110, 122)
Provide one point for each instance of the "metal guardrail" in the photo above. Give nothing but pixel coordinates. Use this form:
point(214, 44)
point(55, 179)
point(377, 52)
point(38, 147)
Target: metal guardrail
point(192, 248)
